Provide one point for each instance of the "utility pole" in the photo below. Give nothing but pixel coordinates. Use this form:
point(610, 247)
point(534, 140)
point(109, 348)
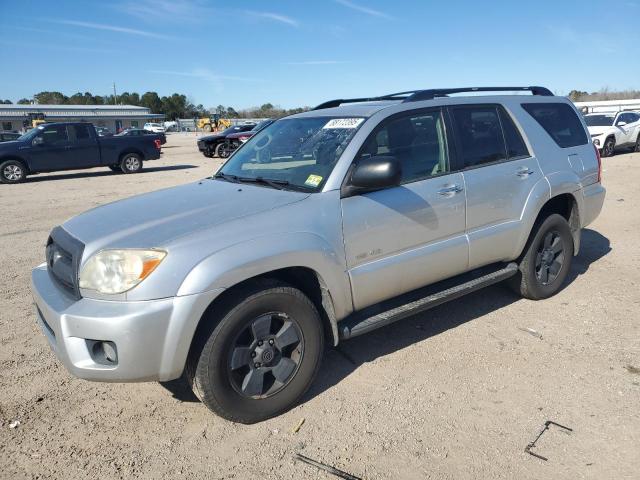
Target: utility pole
point(115, 95)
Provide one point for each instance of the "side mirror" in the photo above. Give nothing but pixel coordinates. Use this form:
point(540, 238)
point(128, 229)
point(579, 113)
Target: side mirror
point(373, 173)
point(621, 124)
point(37, 141)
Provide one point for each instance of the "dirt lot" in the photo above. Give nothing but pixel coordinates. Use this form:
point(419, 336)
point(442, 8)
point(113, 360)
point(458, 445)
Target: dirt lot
point(457, 392)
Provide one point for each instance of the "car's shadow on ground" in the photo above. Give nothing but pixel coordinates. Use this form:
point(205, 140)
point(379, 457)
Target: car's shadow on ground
point(102, 173)
point(340, 362)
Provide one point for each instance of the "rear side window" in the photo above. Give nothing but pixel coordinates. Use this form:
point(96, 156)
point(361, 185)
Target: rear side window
point(560, 121)
point(516, 147)
point(79, 132)
point(480, 135)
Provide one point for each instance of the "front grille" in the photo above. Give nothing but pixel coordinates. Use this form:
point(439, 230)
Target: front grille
point(64, 253)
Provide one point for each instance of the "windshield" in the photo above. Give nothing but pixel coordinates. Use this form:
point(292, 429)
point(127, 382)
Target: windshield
point(297, 153)
point(30, 134)
point(599, 120)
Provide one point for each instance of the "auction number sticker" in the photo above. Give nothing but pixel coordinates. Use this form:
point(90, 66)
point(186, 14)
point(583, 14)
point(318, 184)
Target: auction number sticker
point(344, 123)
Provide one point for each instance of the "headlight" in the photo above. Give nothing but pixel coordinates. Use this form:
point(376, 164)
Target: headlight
point(116, 271)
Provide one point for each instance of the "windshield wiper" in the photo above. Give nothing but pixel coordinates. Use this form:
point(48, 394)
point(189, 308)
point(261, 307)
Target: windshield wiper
point(227, 177)
point(273, 183)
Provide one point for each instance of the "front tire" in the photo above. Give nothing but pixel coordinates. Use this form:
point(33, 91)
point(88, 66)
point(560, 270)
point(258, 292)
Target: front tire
point(609, 147)
point(546, 261)
point(131, 163)
point(637, 147)
point(222, 151)
point(259, 353)
point(12, 171)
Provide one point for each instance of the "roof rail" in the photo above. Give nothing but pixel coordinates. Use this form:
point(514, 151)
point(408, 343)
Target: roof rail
point(443, 92)
point(417, 95)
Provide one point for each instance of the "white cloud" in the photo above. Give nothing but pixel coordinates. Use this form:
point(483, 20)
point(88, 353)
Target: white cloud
point(318, 62)
point(275, 17)
point(366, 10)
point(161, 10)
point(204, 74)
point(111, 28)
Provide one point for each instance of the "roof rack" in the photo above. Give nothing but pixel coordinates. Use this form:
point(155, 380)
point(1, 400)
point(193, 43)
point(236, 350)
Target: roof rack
point(418, 95)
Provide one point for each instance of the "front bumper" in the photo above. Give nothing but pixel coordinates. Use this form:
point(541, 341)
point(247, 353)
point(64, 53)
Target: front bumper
point(152, 338)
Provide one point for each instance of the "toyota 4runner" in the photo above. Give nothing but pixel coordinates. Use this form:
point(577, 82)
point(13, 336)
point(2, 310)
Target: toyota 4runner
point(323, 226)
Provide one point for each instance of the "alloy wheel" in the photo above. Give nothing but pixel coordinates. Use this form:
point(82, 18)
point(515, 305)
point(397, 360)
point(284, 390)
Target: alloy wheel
point(132, 163)
point(266, 355)
point(12, 172)
point(550, 258)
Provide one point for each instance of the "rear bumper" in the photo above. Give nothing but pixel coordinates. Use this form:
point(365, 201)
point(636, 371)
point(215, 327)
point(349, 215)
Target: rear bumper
point(152, 338)
point(593, 199)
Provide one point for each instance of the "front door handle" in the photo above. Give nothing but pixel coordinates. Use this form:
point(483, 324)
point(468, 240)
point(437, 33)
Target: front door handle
point(524, 172)
point(450, 190)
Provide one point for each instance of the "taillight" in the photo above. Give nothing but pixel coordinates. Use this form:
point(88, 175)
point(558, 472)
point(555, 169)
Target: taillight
point(158, 143)
point(599, 164)
point(244, 139)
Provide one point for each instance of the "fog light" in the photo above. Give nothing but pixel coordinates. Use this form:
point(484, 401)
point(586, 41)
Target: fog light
point(103, 352)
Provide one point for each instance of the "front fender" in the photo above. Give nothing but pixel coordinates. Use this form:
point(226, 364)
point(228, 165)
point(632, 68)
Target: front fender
point(261, 255)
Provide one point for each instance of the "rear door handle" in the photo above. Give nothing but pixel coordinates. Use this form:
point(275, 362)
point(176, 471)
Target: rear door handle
point(450, 190)
point(524, 172)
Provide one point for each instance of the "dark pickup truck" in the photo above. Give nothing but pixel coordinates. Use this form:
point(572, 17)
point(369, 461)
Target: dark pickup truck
point(71, 146)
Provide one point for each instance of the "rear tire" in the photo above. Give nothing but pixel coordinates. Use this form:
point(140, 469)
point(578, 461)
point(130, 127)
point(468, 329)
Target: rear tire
point(258, 352)
point(131, 163)
point(609, 147)
point(12, 171)
point(546, 260)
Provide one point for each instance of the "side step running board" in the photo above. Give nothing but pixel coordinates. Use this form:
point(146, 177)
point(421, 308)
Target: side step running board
point(358, 325)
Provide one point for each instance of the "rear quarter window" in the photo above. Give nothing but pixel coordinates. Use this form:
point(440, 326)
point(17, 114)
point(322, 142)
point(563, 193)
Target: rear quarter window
point(560, 121)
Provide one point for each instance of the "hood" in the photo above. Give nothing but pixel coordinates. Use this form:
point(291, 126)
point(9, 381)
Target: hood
point(155, 219)
point(597, 130)
point(209, 138)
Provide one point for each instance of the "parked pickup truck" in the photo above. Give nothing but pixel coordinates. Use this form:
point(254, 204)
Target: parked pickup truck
point(323, 226)
point(71, 146)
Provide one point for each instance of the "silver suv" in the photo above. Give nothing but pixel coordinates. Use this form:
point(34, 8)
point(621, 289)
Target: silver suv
point(323, 226)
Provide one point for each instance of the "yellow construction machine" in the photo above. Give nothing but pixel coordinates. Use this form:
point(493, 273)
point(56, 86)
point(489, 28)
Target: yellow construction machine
point(213, 123)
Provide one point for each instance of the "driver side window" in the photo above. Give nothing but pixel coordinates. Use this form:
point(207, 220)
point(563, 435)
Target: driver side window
point(417, 141)
point(54, 135)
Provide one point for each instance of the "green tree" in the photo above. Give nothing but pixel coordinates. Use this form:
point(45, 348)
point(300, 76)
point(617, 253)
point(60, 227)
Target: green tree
point(152, 101)
point(51, 98)
point(24, 101)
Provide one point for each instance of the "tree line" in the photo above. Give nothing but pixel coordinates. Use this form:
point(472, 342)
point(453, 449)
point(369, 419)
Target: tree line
point(603, 94)
point(172, 107)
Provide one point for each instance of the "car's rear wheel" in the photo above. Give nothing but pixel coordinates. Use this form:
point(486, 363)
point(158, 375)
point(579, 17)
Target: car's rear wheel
point(12, 171)
point(609, 147)
point(546, 260)
point(258, 354)
point(131, 163)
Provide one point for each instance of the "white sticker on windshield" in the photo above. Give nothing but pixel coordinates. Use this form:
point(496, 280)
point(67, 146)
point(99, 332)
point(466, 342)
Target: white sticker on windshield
point(343, 123)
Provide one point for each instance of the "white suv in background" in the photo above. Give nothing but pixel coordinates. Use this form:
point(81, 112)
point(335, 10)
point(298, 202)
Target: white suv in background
point(611, 131)
point(154, 127)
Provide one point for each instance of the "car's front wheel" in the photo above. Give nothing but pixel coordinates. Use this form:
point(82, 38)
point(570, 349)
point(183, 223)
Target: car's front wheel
point(609, 147)
point(131, 163)
point(258, 354)
point(546, 261)
point(12, 171)
point(223, 150)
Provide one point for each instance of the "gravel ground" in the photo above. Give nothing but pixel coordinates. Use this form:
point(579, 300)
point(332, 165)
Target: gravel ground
point(457, 392)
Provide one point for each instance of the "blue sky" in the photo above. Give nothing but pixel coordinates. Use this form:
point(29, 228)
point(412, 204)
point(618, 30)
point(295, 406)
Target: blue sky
point(295, 53)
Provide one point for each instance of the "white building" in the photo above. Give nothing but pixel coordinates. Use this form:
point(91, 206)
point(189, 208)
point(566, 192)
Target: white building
point(114, 117)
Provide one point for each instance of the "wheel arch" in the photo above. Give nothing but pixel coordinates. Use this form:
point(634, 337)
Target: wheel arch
point(564, 204)
point(130, 150)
